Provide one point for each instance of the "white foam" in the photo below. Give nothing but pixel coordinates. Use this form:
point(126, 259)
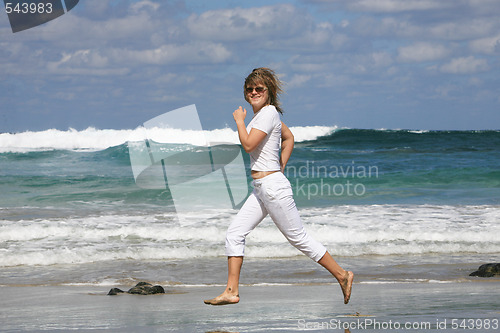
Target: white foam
point(344, 230)
point(71, 139)
point(99, 139)
point(403, 281)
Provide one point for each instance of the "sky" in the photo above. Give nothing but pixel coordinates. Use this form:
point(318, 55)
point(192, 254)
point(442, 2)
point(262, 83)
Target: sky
point(377, 64)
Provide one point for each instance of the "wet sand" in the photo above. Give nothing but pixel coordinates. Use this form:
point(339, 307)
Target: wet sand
point(374, 306)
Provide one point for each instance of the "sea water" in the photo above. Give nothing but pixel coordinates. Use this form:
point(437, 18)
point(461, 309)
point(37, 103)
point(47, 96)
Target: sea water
point(394, 205)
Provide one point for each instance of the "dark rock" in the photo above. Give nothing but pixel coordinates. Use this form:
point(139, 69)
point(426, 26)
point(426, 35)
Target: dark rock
point(142, 288)
point(157, 290)
point(115, 291)
point(487, 270)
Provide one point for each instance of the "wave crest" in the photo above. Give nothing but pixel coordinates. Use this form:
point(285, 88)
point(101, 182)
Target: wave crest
point(100, 139)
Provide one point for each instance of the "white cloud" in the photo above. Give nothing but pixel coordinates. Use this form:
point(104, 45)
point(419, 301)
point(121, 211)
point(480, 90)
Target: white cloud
point(83, 62)
point(320, 34)
point(463, 29)
point(392, 6)
point(144, 5)
point(465, 65)
point(381, 59)
point(483, 7)
point(243, 24)
point(307, 65)
point(450, 20)
point(445, 91)
point(192, 53)
point(389, 6)
point(390, 27)
point(117, 61)
point(277, 27)
point(298, 80)
point(486, 45)
point(422, 52)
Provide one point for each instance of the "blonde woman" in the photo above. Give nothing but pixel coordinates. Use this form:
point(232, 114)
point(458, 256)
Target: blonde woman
point(272, 192)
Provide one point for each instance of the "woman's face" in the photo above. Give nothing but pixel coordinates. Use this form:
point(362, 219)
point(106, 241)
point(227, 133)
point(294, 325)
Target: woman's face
point(257, 95)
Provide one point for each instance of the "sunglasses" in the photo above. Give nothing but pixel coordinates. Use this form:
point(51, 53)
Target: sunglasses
point(258, 90)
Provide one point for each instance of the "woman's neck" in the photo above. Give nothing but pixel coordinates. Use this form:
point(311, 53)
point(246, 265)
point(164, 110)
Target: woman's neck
point(255, 111)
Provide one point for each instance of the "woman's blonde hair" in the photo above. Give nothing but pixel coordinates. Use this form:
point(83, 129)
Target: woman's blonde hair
point(268, 78)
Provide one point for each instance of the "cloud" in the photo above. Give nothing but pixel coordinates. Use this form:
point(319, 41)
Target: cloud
point(248, 24)
point(394, 6)
point(277, 27)
point(486, 45)
point(463, 29)
point(381, 59)
point(375, 27)
point(450, 20)
point(387, 6)
point(422, 52)
point(298, 80)
point(83, 62)
point(465, 65)
point(116, 61)
point(414, 7)
point(190, 53)
point(144, 5)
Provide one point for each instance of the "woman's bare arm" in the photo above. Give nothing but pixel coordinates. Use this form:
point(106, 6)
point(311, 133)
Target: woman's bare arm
point(287, 143)
point(251, 140)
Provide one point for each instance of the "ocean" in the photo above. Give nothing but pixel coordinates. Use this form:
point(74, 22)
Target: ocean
point(391, 205)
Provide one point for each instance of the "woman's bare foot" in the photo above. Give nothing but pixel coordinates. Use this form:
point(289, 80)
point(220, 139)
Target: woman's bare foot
point(223, 299)
point(346, 286)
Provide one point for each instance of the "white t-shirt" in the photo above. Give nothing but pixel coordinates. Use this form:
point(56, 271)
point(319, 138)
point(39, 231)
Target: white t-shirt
point(266, 157)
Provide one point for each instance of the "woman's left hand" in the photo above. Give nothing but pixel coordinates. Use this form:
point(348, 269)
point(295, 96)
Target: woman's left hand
point(239, 114)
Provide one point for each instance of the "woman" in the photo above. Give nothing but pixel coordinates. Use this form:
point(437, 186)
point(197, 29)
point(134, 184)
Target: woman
point(272, 192)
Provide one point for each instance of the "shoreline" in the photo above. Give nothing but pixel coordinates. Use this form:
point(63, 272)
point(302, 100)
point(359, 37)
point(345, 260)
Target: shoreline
point(280, 271)
point(280, 308)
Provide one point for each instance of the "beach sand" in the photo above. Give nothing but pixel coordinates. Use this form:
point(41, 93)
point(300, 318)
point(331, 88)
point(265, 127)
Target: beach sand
point(374, 307)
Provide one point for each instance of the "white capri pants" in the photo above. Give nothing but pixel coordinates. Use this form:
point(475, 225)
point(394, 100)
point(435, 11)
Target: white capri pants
point(271, 195)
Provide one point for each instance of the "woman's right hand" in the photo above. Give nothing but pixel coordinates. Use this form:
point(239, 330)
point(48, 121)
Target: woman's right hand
point(239, 114)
